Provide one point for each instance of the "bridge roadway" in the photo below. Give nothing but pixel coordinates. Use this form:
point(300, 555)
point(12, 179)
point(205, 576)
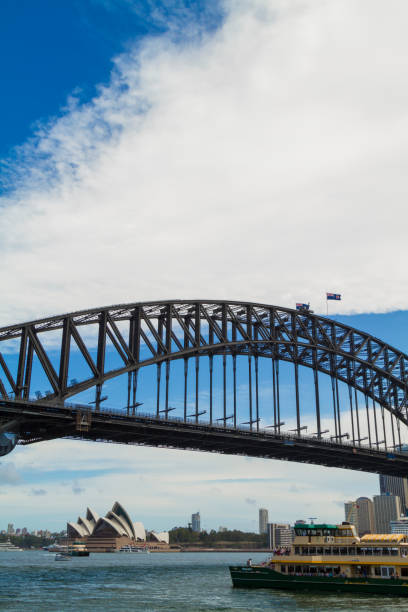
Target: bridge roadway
point(46, 421)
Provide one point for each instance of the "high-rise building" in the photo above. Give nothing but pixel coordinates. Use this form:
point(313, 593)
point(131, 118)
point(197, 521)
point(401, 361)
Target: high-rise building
point(400, 525)
point(365, 516)
point(10, 529)
point(386, 509)
point(394, 485)
point(196, 522)
point(351, 513)
point(279, 534)
point(263, 520)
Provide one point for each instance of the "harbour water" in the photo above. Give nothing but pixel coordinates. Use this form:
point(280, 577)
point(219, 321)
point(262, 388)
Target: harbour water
point(182, 582)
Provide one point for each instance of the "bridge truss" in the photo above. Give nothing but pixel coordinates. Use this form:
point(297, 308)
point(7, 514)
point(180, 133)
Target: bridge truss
point(226, 368)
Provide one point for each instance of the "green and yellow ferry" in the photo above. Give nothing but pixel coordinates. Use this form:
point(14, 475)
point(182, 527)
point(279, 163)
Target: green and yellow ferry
point(333, 558)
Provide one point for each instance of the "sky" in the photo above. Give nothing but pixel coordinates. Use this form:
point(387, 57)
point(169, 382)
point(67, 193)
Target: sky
point(245, 149)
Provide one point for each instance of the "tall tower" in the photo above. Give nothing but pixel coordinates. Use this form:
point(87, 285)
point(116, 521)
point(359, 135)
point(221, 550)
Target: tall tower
point(394, 485)
point(196, 522)
point(365, 516)
point(263, 520)
point(386, 509)
point(351, 513)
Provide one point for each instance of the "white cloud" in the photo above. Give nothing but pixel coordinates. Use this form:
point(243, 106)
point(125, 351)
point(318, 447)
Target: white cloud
point(9, 474)
point(163, 487)
point(266, 161)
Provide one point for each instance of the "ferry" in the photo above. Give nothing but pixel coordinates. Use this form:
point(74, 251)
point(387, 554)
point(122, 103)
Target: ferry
point(77, 549)
point(332, 558)
point(9, 547)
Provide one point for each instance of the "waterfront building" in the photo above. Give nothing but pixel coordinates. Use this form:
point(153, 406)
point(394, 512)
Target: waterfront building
point(279, 535)
point(394, 485)
point(400, 525)
point(350, 513)
point(196, 522)
point(360, 513)
point(263, 520)
point(222, 529)
point(112, 532)
point(386, 509)
point(10, 529)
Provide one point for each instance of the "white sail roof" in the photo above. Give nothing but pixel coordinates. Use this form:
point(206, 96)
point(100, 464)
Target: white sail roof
point(119, 519)
point(111, 523)
point(162, 536)
point(118, 509)
point(79, 530)
point(92, 516)
point(140, 531)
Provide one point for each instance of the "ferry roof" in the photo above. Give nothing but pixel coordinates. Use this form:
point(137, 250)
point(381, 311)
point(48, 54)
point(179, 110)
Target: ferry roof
point(314, 526)
point(383, 537)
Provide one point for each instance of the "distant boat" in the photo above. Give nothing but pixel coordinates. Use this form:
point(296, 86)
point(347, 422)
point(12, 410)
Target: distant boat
point(56, 548)
point(62, 557)
point(134, 549)
point(9, 547)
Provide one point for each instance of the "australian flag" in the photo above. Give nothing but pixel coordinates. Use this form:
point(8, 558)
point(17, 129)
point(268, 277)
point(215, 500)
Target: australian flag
point(333, 296)
point(300, 306)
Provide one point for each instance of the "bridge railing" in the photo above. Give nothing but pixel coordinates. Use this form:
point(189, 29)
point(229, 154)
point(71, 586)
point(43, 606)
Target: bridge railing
point(289, 437)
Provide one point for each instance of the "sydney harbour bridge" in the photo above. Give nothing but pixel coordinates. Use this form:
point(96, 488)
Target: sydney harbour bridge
point(218, 376)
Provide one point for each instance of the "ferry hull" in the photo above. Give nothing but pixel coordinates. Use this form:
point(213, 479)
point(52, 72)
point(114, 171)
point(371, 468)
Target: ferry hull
point(79, 553)
point(265, 578)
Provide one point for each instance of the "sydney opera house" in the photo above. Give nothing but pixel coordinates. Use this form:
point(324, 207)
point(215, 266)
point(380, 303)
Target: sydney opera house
point(114, 531)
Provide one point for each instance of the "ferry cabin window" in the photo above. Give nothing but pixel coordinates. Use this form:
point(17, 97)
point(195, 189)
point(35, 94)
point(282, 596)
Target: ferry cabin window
point(394, 552)
point(291, 569)
point(404, 571)
point(283, 569)
point(335, 551)
point(319, 551)
point(297, 550)
point(385, 551)
point(327, 551)
point(343, 551)
point(344, 533)
point(377, 571)
point(387, 571)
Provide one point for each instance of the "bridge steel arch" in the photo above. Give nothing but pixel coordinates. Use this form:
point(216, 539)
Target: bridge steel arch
point(148, 333)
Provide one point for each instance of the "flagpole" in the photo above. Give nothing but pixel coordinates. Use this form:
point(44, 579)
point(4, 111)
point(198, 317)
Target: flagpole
point(327, 305)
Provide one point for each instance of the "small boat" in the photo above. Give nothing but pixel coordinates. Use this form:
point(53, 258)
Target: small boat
point(61, 557)
point(9, 547)
point(134, 549)
point(333, 558)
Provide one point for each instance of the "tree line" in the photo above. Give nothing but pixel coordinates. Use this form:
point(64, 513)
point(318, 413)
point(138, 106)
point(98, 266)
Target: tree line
point(185, 535)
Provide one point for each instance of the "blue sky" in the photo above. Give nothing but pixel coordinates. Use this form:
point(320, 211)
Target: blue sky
point(51, 50)
point(247, 149)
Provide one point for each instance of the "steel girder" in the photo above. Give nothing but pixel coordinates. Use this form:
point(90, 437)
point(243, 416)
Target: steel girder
point(45, 421)
point(163, 331)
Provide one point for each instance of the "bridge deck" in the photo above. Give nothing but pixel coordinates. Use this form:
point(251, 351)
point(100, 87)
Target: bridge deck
point(44, 421)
